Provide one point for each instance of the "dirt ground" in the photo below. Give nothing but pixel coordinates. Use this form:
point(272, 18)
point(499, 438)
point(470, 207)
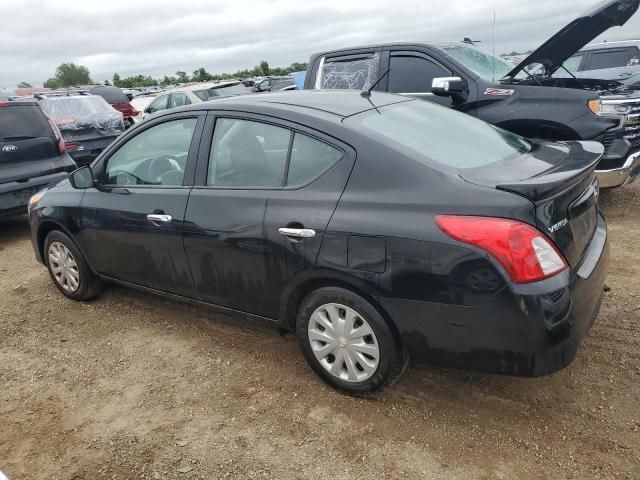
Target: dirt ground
point(130, 386)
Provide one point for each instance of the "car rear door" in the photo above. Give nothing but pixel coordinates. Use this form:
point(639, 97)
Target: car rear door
point(132, 221)
point(247, 232)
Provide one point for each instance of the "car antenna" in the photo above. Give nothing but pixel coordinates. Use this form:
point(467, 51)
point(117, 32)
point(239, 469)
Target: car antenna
point(367, 93)
point(493, 57)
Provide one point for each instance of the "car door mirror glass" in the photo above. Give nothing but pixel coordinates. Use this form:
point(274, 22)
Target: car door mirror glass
point(447, 86)
point(82, 178)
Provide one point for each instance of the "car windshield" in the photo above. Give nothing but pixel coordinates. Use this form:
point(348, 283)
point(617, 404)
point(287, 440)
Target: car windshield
point(222, 91)
point(429, 132)
point(482, 64)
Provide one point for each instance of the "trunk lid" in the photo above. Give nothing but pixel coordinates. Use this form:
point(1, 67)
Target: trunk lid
point(584, 29)
point(559, 179)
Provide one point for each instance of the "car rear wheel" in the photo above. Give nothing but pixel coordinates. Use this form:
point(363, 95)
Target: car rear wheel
point(68, 269)
point(346, 341)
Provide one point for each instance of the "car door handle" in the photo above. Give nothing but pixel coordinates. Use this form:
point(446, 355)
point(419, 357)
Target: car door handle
point(297, 232)
point(159, 218)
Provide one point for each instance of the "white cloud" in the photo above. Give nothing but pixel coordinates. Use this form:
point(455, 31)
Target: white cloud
point(158, 37)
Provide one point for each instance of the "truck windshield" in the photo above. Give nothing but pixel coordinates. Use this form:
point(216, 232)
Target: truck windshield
point(428, 132)
point(484, 65)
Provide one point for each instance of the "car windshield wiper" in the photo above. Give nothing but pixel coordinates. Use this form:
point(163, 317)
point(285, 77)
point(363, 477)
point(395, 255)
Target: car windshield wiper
point(18, 137)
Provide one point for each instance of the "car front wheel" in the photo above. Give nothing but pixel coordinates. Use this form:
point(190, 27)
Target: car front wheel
point(68, 269)
point(346, 341)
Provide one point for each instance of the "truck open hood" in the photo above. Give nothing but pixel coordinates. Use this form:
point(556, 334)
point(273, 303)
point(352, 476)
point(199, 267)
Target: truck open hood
point(555, 51)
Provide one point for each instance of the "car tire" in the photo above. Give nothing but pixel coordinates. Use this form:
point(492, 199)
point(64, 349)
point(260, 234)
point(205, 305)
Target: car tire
point(68, 269)
point(347, 342)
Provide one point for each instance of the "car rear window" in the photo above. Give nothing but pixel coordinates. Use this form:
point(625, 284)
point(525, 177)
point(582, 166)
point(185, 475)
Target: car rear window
point(429, 132)
point(224, 91)
point(113, 95)
point(23, 121)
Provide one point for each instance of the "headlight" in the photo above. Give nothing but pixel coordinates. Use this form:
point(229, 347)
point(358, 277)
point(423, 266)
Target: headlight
point(603, 108)
point(33, 201)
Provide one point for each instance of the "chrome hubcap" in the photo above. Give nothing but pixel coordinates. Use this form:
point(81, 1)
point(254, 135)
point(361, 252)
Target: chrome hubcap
point(343, 342)
point(64, 267)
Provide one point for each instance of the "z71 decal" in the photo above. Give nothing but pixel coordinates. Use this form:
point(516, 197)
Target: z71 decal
point(501, 92)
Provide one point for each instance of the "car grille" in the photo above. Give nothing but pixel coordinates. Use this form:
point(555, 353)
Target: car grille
point(632, 124)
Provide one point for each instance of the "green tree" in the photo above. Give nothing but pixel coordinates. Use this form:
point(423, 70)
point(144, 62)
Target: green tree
point(182, 76)
point(264, 68)
point(201, 75)
point(24, 85)
point(116, 79)
point(69, 74)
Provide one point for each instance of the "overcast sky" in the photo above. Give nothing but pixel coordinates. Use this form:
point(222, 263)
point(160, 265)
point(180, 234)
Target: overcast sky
point(158, 37)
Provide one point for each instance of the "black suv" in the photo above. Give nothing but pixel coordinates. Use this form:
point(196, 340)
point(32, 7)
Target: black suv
point(32, 155)
point(537, 98)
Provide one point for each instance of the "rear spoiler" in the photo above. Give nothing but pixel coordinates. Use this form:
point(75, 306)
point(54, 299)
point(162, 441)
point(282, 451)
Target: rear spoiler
point(579, 164)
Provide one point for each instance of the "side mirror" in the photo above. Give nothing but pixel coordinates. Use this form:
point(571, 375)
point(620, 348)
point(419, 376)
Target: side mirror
point(82, 178)
point(447, 86)
point(147, 110)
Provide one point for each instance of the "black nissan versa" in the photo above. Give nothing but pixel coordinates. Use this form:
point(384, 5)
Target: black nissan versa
point(378, 228)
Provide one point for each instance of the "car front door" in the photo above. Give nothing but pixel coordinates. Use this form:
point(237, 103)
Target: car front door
point(411, 73)
point(264, 194)
point(132, 221)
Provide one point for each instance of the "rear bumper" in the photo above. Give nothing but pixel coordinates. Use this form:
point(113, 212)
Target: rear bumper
point(617, 177)
point(526, 330)
point(14, 196)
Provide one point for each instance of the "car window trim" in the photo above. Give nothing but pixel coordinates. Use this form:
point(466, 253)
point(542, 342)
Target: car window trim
point(207, 141)
point(99, 167)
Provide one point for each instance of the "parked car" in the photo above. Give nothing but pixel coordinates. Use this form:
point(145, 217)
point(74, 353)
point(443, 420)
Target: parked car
point(32, 155)
point(196, 93)
point(378, 228)
point(266, 83)
point(118, 100)
point(618, 61)
point(87, 122)
point(534, 106)
point(140, 104)
point(285, 85)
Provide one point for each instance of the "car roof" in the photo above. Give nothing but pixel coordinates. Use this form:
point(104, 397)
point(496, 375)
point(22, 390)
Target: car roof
point(603, 45)
point(340, 103)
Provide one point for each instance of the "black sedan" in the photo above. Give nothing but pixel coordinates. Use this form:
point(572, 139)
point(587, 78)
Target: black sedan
point(378, 228)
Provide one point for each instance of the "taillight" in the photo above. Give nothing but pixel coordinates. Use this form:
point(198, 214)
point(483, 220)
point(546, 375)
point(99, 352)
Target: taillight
point(70, 146)
point(525, 253)
point(61, 146)
point(4, 104)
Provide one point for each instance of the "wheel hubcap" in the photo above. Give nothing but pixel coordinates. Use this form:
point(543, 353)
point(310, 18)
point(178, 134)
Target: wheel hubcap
point(343, 342)
point(64, 267)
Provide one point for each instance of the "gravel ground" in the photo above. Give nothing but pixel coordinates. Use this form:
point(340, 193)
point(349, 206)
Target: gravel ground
point(130, 386)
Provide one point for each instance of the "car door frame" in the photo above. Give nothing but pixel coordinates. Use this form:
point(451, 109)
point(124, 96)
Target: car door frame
point(348, 162)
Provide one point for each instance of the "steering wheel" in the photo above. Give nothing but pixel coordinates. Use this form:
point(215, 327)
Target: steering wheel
point(165, 169)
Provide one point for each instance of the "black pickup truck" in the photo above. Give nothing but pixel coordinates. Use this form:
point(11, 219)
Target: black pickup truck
point(538, 98)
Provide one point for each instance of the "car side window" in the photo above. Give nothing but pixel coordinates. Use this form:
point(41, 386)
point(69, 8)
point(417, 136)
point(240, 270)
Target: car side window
point(246, 153)
point(158, 104)
point(573, 63)
point(179, 99)
point(309, 159)
point(353, 72)
point(411, 74)
point(623, 57)
point(156, 156)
